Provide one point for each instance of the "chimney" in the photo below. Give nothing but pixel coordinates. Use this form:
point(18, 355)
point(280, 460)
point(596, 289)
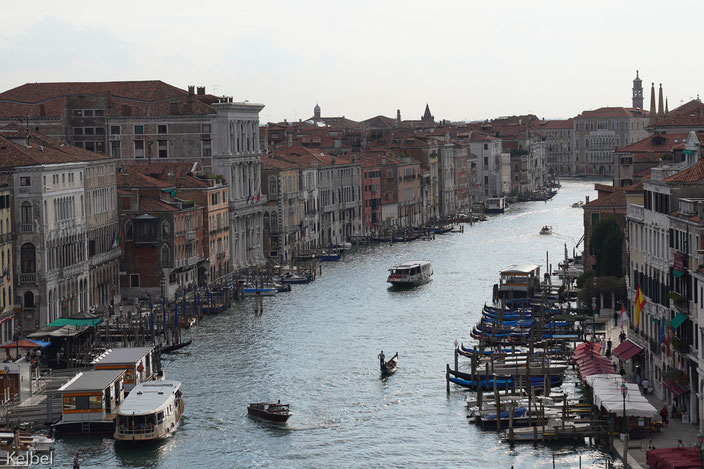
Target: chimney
point(191, 89)
point(398, 115)
point(201, 90)
point(42, 110)
point(587, 200)
point(126, 110)
point(173, 108)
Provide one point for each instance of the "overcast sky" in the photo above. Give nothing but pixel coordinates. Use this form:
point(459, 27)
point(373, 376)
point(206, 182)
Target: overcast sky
point(469, 60)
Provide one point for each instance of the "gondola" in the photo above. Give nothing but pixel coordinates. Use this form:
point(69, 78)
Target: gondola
point(389, 367)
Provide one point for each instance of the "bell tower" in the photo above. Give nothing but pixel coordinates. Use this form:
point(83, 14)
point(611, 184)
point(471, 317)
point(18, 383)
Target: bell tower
point(637, 92)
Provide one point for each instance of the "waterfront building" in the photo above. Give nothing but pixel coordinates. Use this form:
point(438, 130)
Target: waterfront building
point(558, 136)
point(664, 237)
point(56, 273)
point(447, 203)
point(209, 191)
point(371, 162)
point(163, 243)
point(236, 156)
point(488, 150)
point(89, 402)
point(284, 210)
point(152, 120)
point(597, 133)
point(339, 185)
point(7, 302)
point(644, 154)
point(139, 364)
point(463, 166)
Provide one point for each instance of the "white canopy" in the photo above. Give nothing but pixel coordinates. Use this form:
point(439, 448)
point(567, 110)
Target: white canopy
point(606, 392)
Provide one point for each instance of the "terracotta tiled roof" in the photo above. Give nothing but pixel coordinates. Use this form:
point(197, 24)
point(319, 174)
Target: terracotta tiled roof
point(637, 187)
point(36, 149)
point(145, 98)
point(176, 174)
point(694, 173)
point(148, 204)
point(613, 112)
point(480, 137)
point(654, 143)
point(273, 163)
point(554, 124)
point(687, 108)
point(644, 174)
point(138, 180)
point(615, 199)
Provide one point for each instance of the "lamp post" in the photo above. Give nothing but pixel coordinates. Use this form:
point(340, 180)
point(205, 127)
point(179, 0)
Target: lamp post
point(624, 392)
point(700, 446)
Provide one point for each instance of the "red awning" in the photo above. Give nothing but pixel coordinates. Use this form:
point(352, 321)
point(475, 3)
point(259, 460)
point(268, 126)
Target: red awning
point(627, 350)
point(674, 388)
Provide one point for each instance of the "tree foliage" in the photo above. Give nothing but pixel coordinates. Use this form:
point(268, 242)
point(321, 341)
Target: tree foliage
point(607, 245)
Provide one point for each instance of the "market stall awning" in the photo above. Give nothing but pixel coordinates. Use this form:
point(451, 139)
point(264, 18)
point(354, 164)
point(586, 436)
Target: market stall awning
point(76, 322)
point(627, 350)
point(26, 343)
point(678, 320)
point(59, 331)
point(673, 387)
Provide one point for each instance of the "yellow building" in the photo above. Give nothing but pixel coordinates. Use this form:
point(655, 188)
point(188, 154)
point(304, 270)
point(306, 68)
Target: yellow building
point(7, 312)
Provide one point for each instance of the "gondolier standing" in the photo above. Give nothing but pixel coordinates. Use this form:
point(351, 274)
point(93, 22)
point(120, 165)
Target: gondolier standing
point(381, 359)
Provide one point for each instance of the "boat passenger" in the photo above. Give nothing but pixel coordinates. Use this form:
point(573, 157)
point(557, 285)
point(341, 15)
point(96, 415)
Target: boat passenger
point(381, 357)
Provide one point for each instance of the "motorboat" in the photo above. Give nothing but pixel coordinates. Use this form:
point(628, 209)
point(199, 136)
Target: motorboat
point(278, 412)
point(150, 412)
point(289, 277)
point(251, 290)
point(578, 204)
point(495, 205)
point(410, 274)
point(546, 230)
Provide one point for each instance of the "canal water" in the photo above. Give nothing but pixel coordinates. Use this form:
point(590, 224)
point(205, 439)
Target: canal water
point(316, 348)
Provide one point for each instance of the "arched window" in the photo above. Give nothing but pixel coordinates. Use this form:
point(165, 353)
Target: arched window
point(165, 230)
point(273, 220)
point(28, 299)
point(26, 213)
point(28, 259)
point(266, 220)
point(272, 185)
point(165, 256)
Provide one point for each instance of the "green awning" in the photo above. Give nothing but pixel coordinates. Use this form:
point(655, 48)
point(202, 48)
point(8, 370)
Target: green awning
point(678, 320)
point(677, 273)
point(75, 322)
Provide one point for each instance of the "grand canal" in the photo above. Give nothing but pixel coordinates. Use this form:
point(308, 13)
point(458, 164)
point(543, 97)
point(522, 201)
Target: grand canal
point(316, 348)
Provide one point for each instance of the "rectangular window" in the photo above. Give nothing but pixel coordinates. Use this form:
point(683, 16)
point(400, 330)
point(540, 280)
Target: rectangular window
point(115, 130)
point(134, 280)
point(139, 148)
point(25, 181)
point(87, 113)
point(100, 131)
point(99, 113)
point(77, 113)
point(88, 131)
point(138, 129)
point(100, 147)
point(78, 131)
point(161, 129)
point(206, 146)
point(115, 149)
point(163, 148)
point(90, 146)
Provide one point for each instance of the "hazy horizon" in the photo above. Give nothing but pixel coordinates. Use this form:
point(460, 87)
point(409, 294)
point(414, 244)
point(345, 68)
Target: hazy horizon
point(468, 61)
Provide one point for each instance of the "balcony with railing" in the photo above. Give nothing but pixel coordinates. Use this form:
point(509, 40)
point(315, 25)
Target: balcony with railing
point(635, 212)
point(28, 278)
point(27, 228)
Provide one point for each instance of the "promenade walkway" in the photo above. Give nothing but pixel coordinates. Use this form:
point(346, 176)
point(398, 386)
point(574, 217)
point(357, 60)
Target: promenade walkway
point(670, 434)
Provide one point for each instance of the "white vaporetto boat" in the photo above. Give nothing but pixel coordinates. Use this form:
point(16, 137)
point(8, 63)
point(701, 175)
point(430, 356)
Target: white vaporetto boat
point(410, 273)
point(151, 411)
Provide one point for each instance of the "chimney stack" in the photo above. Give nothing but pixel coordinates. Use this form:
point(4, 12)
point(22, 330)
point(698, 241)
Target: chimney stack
point(201, 90)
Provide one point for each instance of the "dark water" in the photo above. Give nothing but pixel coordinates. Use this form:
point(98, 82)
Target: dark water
point(317, 347)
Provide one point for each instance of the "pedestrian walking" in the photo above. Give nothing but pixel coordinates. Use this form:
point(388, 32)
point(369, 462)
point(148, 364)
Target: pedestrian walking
point(645, 383)
point(664, 415)
point(615, 318)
